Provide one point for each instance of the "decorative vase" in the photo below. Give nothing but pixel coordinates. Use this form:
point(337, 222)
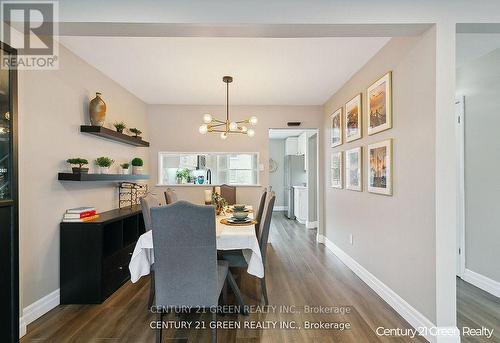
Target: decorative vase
point(136, 170)
point(77, 170)
point(125, 171)
point(97, 110)
point(119, 130)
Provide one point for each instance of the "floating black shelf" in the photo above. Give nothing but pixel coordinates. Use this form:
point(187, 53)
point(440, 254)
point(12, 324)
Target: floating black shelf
point(113, 135)
point(100, 177)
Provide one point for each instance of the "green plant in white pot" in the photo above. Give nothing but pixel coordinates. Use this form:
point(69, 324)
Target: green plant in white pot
point(103, 164)
point(125, 168)
point(137, 166)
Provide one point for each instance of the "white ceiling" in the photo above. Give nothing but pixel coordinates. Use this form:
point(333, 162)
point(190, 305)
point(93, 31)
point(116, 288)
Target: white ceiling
point(471, 46)
point(266, 71)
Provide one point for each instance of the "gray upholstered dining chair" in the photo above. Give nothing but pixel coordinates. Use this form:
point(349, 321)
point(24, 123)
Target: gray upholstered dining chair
point(187, 272)
point(228, 193)
point(170, 196)
point(147, 203)
point(260, 210)
point(236, 259)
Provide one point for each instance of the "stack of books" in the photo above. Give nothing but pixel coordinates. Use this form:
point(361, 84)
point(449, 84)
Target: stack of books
point(80, 215)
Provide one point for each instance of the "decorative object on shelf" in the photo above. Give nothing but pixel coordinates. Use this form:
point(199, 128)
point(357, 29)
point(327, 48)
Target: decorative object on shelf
point(119, 126)
point(124, 168)
point(336, 128)
point(104, 163)
point(219, 202)
point(137, 166)
point(352, 122)
point(200, 180)
point(336, 169)
point(136, 132)
point(273, 166)
point(80, 162)
point(129, 193)
point(208, 197)
point(97, 110)
point(380, 104)
point(353, 169)
point(182, 175)
point(380, 167)
point(227, 127)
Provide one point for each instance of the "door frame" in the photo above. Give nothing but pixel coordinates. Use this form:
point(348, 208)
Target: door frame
point(460, 130)
point(13, 202)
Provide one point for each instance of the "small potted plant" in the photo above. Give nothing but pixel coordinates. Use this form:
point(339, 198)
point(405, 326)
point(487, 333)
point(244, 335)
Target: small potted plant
point(136, 132)
point(219, 202)
point(182, 175)
point(119, 126)
point(104, 163)
point(137, 164)
point(125, 168)
point(80, 162)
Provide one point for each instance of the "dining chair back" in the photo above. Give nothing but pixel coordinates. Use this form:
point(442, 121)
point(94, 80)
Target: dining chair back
point(147, 203)
point(266, 225)
point(187, 273)
point(228, 193)
point(170, 196)
point(260, 210)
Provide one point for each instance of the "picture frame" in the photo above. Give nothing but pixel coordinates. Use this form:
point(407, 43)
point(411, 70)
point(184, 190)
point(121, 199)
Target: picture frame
point(379, 104)
point(353, 119)
point(353, 169)
point(379, 167)
point(336, 170)
point(336, 129)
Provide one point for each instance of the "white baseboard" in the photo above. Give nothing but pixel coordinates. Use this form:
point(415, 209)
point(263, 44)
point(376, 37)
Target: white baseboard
point(280, 208)
point(300, 221)
point(408, 312)
point(485, 283)
point(320, 238)
point(311, 225)
point(38, 309)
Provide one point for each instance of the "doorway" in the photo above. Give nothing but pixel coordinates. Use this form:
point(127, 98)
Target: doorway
point(293, 174)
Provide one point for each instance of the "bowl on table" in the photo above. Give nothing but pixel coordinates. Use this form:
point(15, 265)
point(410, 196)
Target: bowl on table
point(240, 215)
point(239, 207)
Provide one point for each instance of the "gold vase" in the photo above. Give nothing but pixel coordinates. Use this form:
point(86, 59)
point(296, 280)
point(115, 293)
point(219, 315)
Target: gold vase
point(97, 110)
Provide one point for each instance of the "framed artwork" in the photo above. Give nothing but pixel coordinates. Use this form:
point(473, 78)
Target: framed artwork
point(336, 169)
point(352, 120)
point(353, 161)
point(380, 167)
point(380, 104)
point(336, 128)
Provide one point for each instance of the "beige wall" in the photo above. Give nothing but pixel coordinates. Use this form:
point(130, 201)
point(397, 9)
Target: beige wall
point(52, 106)
point(175, 128)
point(394, 236)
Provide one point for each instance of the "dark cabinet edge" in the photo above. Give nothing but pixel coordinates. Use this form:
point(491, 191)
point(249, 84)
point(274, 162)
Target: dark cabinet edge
point(104, 132)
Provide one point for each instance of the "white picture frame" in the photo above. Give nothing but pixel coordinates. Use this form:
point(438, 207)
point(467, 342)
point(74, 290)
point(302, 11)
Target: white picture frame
point(379, 167)
point(353, 169)
point(336, 170)
point(379, 104)
point(336, 128)
point(353, 119)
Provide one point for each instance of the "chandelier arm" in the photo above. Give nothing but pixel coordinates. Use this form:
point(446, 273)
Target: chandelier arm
point(218, 121)
point(217, 125)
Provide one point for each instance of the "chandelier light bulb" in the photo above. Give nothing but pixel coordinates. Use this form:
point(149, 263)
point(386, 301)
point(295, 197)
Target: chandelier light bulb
point(253, 120)
point(233, 126)
point(203, 129)
point(250, 132)
point(223, 135)
point(244, 129)
point(207, 118)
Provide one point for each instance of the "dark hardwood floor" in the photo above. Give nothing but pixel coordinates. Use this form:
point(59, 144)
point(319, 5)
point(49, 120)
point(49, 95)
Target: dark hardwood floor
point(477, 308)
point(300, 272)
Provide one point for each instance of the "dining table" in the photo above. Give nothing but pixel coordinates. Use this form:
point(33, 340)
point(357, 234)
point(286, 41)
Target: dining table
point(228, 237)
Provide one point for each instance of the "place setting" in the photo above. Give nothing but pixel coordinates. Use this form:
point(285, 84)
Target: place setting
point(239, 216)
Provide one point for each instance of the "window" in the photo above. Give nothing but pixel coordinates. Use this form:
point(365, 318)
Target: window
point(208, 168)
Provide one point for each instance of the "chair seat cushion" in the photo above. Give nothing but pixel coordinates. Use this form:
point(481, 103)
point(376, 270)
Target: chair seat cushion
point(222, 268)
point(234, 258)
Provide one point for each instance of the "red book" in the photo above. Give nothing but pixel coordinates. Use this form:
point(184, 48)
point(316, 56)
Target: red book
point(80, 215)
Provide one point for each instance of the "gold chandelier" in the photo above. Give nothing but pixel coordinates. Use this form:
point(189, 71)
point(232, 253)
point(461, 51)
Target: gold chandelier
point(225, 127)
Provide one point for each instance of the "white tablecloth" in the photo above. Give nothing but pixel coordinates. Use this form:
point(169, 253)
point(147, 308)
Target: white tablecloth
point(228, 238)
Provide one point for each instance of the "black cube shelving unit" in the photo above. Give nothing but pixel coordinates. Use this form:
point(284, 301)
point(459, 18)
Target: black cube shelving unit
point(95, 255)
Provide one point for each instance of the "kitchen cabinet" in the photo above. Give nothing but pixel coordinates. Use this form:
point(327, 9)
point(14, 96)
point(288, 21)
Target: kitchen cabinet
point(300, 203)
point(291, 144)
point(302, 147)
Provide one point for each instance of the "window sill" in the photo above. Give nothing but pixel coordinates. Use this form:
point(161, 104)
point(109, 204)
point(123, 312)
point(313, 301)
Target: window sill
point(197, 185)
